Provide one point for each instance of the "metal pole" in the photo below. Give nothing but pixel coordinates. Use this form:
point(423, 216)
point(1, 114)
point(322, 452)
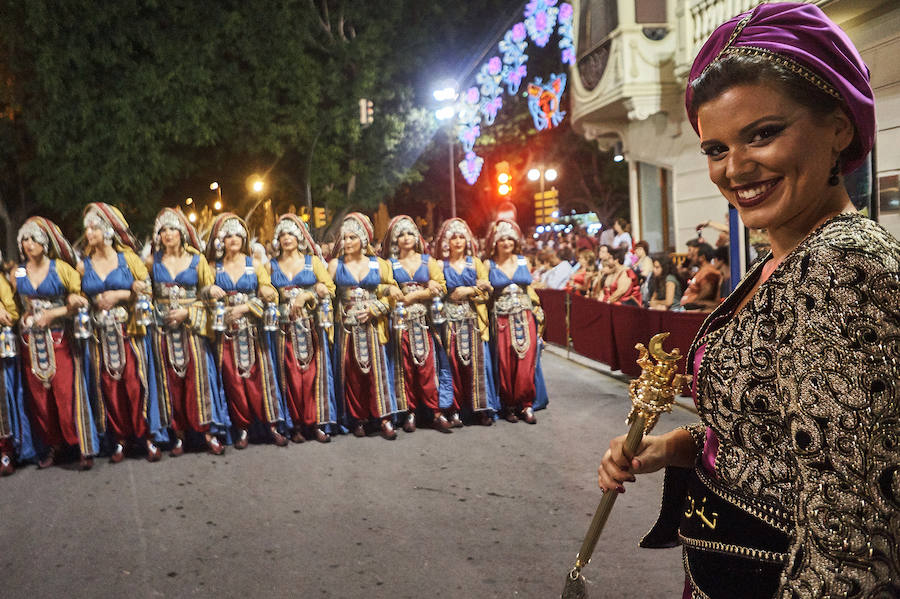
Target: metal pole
point(452, 177)
point(309, 157)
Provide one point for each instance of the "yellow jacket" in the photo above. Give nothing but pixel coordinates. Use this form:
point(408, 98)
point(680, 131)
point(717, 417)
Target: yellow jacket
point(140, 273)
point(8, 299)
point(480, 299)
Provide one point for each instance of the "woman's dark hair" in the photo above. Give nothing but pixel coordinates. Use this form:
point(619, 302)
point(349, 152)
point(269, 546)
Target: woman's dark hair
point(722, 254)
point(658, 284)
point(642, 244)
point(618, 254)
point(626, 227)
point(707, 251)
point(742, 69)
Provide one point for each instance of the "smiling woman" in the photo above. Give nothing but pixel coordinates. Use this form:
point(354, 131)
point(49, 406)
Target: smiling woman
point(796, 373)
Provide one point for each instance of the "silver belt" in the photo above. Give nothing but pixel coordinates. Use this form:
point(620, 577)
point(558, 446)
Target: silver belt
point(457, 311)
point(512, 300)
point(236, 299)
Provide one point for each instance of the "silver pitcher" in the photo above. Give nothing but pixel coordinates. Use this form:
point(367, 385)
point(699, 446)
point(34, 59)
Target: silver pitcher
point(326, 313)
point(400, 316)
point(143, 310)
point(7, 343)
point(270, 317)
point(219, 316)
point(82, 324)
point(437, 311)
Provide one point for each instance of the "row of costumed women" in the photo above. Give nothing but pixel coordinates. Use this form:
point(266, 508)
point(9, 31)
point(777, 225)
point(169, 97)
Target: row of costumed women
point(199, 344)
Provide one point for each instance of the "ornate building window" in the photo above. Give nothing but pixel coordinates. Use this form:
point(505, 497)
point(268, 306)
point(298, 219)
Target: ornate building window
point(598, 19)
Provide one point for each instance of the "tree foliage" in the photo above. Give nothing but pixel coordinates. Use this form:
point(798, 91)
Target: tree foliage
point(141, 103)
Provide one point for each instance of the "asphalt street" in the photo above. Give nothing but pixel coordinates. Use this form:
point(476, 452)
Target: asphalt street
point(483, 512)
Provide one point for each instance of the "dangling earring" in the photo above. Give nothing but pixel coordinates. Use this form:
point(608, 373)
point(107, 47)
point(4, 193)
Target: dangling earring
point(835, 171)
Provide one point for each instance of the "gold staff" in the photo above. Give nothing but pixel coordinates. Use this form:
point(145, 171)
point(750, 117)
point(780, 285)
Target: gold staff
point(651, 394)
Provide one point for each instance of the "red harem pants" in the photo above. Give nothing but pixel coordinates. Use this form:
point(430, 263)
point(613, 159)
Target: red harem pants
point(469, 391)
point(123, 398)
point(246, 396)
point(419, 380)
point(516, 375)
point(300, 387)
point(53, 409)
point(183, 392)
point(364, 392)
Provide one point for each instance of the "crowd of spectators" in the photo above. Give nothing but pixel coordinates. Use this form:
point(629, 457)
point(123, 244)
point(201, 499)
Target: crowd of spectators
point(613, 268)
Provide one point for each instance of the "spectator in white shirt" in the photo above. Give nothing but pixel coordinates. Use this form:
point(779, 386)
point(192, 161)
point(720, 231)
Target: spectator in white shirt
point(560, 270)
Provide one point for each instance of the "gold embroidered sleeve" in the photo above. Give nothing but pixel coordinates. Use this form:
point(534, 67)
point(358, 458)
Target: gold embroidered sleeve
point(69, 277)
point(264, 283)
point(839, 380)
point(7, 298)
point(322, 275)
point(697, 430)
point(436, 273)
point(198, 313)
point(480, 299)
point(136, 266)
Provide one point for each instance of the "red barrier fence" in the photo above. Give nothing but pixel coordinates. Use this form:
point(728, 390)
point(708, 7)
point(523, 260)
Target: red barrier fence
point(608, 333)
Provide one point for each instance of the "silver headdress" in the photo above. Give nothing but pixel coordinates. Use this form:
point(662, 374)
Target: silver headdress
point(167, 219)
point(94, 219)
point(232, 226)
point(404, 225)
point(289, 226)
point(504, 230)
point(31, 230)
point(351, 225)
point(455, 227)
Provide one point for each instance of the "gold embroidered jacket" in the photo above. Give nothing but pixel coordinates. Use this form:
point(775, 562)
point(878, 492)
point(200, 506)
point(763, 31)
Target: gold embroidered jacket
point(802, 390)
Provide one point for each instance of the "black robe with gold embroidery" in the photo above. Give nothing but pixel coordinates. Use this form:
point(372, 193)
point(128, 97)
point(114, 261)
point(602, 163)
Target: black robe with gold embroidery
point(801, 390)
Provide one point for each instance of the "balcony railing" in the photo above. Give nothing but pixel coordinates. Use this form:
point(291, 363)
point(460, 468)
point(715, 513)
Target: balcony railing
point(697, 20)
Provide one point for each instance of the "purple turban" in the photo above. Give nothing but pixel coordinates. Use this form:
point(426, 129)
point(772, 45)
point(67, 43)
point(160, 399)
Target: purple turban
point(801, 38)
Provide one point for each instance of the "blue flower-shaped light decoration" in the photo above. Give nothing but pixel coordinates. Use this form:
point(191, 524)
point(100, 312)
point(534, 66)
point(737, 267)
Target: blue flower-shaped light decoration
point(540, 20)
point(471, 167)
point(513, 47)
point(469, 119)
point(488, 79)
point(566, 39)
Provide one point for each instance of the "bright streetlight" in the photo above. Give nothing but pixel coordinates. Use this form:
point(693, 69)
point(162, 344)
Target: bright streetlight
point(189, 201)
point(258, 185)
point(447, 93)
point(544, 174)
point(447, 112)
point(192, 217)
point(217, 205)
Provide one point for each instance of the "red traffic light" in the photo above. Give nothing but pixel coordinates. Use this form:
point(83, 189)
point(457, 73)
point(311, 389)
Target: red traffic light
point(504, 178)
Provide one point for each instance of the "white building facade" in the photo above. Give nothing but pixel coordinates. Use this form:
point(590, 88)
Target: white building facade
point(627, 87)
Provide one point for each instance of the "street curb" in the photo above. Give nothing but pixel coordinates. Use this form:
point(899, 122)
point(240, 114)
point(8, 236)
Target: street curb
point(685, 403)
